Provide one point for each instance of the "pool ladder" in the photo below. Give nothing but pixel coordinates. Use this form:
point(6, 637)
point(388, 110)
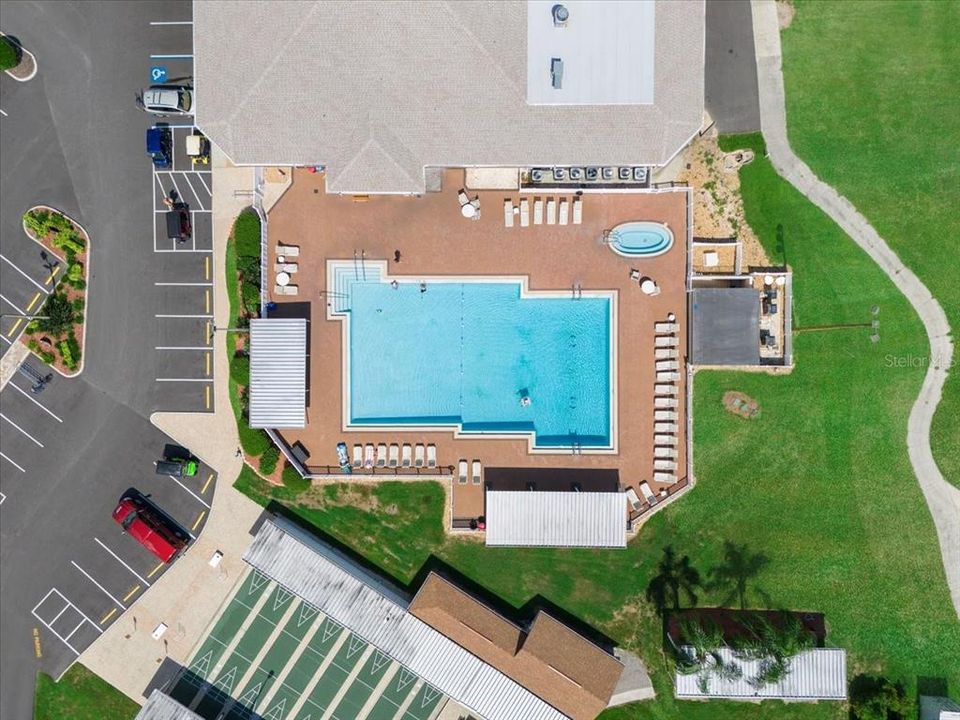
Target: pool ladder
point(577, 291)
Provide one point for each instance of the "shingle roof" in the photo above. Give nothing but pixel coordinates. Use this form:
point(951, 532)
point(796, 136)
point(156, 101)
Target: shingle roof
point(378, 91)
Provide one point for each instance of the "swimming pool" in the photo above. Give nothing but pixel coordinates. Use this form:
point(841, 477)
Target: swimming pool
point(640, 239)
point(464, 352)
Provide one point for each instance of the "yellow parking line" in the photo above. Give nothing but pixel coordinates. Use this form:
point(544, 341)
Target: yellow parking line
point(53, 274)
point(110, 613)
point(206, 295)
point(206, 395)
point(154, 571)
point(206, 268)
point(33, 302)
point(207, 356)
point(15, 326)
point(207, 484)
point(131, 593)
point(209, 336)
point(199, 519)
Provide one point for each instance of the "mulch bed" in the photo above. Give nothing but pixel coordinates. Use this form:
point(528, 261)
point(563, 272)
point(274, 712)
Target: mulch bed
point(740, 404)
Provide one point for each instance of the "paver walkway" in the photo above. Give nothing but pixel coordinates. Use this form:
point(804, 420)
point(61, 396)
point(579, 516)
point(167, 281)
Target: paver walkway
point(942, 498)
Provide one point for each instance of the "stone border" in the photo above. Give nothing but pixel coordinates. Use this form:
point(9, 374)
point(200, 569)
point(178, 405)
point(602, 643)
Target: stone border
point(86, 279)
point(25, 54)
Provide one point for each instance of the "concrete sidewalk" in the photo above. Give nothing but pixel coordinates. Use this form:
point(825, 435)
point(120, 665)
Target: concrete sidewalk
point(943, 499)
point(187, 597)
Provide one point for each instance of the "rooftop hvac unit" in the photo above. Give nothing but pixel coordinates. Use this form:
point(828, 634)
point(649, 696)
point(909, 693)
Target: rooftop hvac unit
point(560, 15)
point(556, 73)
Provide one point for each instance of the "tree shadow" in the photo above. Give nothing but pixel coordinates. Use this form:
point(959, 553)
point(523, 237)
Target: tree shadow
point(874, 697)
point(735, 573)
point(676, 579)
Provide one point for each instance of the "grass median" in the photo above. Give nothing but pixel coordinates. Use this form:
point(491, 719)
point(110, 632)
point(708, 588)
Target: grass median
point(80, 695)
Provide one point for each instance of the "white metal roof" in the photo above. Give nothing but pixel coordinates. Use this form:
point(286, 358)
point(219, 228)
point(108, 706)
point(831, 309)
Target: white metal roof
point(606, 48)
point(163, 707)
point(556, 519)
point(294, 560)
point(278, 372)
point(817, 674)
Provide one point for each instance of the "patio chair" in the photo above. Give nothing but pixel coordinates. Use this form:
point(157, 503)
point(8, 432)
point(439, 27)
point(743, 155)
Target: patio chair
point(462, 197)
point(667, 364)
point(285, 267)
point(665, 440)
point(666, 353)
point(288, 250)
point(524, 213)
point(368, 456)
point(551, 211)
point(289, 289)
point(662, 341)
point(633, 499)
point(664, 415)
point(418, 457)
point(431, 455)
point(665, 328)
point(358, 455)
point(394, 455)
point(634, 274)
point(665, 452)
point(664, 427)
point(648, 493)
point(665, 477)
point(664, 465)
point(508, 213)
point(663, 377)
point(664, 389)
point(564, 211)
point(381, 455)
point(407, 455)
point(477, 469)
point(538, 211)
point(462, 477)
point(577, 211)
point(664, 402)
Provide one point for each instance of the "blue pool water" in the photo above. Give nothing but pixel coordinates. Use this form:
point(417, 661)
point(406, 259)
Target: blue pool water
point(466, 353)
point(643, 239)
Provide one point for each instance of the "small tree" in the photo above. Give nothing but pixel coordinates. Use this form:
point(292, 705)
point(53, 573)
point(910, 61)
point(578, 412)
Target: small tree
point(877, 698)
point(58, 314)
point(8, 54)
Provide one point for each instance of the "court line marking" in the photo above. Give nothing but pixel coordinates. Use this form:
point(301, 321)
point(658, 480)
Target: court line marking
point(38, 285)
point(35, 402)
point(40, 444)
point(12, 304)
point(200, 499)
point(203, 380)
point(117, 558)
point(90, 578)
point(5, 457)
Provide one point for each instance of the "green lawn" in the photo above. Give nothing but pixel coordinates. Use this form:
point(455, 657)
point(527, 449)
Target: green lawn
point(820, 484)
point(80, 695)
point(873, 106)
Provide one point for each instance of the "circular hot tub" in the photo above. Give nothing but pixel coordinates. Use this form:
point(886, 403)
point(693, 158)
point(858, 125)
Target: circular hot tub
point(640, 239)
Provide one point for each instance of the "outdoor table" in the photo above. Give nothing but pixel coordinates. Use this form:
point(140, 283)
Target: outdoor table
point(469, 210)
point(283, 279)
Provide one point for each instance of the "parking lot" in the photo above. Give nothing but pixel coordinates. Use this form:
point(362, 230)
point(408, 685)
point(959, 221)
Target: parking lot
point(28, 273)
point(272, 655)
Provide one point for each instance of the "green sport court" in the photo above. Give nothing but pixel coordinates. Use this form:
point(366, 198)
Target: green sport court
point(272, 655)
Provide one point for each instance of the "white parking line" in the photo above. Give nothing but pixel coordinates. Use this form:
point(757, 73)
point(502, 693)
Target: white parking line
point(3, 112)
point(200, 174)
point(200, 499)
point(183, 284)
point(186, 177)
point(39, 405)
point(8, 262)
point(170, 57)
point(199, 212)
point(117, 558)
point(206, 380)
point(172, 22)
point(90, 578)
point(175, 186)
point(2, 498)
point(40, 444)
point(205, 317)
point(182, 347)
point(8, 342)
point(12, 304)
point(12, 462)
point(49, 625)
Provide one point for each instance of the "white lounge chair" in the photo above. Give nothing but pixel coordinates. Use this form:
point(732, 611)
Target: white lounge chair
point(358, 455)
point(665, 427)
point(664, 415)
point(648, 493)
point(286, 290)
point(633, 499)
point(665, 452)
point(477, 470)
point(407, 455)
point(664, 465)
point(664, 402)
point(667, 364)
point(285, 267)
point(431, 455)
point(577, 211)
point(524, 213)
point(665, 328)
point(662, 341)
point(667, 376)
point(665, 440)
point(288, 251)
point(381, 455)
point(564, 211)
point(418, 457)
point(394, 455)
point(665, 389)
point(551, 211)
point(368, 456)
point(462, 197)
point(666, 353)
point(538, 211)
point(463, 472)
point(665, 477)
point(508, 213)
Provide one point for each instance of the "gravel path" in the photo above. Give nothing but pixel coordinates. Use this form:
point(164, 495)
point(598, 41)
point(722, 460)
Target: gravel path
point(942, 498)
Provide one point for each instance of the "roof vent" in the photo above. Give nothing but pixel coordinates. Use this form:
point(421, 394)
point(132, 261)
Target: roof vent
point(556, 73)
point(560, 15)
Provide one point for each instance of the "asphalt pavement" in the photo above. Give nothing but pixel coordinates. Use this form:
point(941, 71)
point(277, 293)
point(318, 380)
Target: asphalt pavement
point(730, 79)
point(73, 138)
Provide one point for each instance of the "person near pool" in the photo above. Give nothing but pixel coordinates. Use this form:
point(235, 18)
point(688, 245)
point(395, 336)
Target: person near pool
point(524, 394)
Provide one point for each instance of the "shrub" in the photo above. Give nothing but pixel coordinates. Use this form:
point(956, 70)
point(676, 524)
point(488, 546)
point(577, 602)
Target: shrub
point(294, 481)
point(58, 314)
point(8, 54)
point(36, 222)
point(33, 345)
point(75, 272)
point(47, 357)
point(74, 347)
point(67, 355)
point(68, 240)
point(249, 268)
point(78, 305)
point(253, 441)
point(250, 295)
point(246, 232)
point(79, 284)
point(269, 459)
point(877, 698)
point(240, 369)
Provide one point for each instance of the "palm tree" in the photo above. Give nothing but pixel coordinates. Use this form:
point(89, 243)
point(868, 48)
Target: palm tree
point(675, 577)
point(738, 567)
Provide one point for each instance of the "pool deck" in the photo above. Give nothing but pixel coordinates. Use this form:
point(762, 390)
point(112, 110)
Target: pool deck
point(435, 239)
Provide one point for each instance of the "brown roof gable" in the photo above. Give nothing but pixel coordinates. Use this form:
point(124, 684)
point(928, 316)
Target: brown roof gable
point(552, 661)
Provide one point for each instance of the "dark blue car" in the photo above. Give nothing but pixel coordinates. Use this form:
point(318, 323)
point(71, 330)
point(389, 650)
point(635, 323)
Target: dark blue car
point(159, 146)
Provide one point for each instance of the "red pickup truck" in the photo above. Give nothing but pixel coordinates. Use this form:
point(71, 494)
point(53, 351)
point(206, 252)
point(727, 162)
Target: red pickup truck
point(149, 527)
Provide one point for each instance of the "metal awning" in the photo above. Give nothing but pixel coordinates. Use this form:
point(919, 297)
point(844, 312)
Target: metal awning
point(164, 707)
point(278, 372)
point(556, 519)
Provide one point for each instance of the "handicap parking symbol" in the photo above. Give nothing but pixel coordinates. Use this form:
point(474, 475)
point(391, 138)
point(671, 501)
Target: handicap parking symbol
point(158, 73)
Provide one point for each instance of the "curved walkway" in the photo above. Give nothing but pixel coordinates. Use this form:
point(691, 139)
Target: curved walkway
point(942, 498)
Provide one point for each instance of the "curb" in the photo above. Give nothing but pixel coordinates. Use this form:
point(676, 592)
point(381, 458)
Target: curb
point(86, 279)
point(33, 57)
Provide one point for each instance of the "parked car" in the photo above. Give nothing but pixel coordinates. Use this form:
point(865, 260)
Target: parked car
point(178, 223)
point(159, 146)
point(178, 467)
point(146, 524)
point(166, 99)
